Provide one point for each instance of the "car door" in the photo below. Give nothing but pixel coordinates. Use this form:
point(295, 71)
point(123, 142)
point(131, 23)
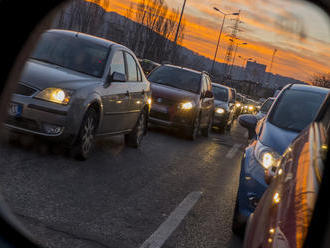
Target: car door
point(137, 89)
point(116, 98)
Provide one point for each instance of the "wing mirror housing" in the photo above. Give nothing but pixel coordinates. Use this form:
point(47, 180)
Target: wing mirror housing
point(115, 77)
point(249, 122)
point(269, 175)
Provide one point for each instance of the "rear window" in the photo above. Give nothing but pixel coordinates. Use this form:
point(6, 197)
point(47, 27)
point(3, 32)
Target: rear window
point(296, 109)
point(177, 78)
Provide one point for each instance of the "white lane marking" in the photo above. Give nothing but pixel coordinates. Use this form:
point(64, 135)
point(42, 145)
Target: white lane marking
point(164, 231)
point(232, 152)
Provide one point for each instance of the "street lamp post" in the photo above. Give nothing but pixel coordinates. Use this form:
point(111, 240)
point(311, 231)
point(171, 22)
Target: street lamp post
point(221, 28)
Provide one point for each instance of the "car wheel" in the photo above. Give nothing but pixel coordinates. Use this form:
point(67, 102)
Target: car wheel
point(206, 131)
point(134, 138)
point(238, 226)
point(193, 132)
point(86, 136)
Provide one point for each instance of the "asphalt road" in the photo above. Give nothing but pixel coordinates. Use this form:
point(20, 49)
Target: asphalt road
point(171, 192)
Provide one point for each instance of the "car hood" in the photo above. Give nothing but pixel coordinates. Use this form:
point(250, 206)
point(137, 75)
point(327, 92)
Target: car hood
point(221, 104)
point(43, 75)
point(172, 93)
point(276, 138)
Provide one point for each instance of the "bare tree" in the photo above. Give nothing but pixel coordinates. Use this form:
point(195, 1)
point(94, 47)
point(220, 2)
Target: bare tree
point(82, 16)
point(321, 79)
point(154, 16)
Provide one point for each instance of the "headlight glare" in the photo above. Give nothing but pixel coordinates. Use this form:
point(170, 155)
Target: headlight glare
point(266, 156)
point(238, 105)
point(219, 110)
point(186, 105)
point(55, 95)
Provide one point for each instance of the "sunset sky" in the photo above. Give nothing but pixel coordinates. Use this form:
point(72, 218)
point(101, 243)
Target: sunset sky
point(299, 31)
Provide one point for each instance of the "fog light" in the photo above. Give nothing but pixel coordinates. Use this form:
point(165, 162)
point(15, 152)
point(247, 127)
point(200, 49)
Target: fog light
point(52, 129)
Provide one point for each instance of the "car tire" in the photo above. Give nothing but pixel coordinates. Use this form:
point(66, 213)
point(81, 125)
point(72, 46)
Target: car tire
point(85, 140)
point(193, 132)
point(206, 131)
point(134, 138)
point(238, 227)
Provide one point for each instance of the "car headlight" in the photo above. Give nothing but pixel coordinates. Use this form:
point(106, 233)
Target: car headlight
point(219, 110)
point(238, 105)
point(266, 156)
point(251, 107)
point(245, 106)
point(149, 101)
point(56, 95)
point(186, 105)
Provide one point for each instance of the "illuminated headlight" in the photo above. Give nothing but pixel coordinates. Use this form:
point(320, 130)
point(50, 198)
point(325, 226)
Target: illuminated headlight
point(56, 95)
point(266, 156)
point(238, 105)
point(149, 101)
point(219, 110)
point(251, 108)
point(245, 106)
point(186, 105)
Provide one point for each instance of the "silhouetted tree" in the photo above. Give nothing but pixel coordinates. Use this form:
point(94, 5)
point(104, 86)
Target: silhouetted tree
point(321, 80)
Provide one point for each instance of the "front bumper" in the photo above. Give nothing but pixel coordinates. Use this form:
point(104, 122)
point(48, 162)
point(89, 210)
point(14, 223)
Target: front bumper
point(252, 183)
point(171, 116)
point(41, 118)
point(220, 120)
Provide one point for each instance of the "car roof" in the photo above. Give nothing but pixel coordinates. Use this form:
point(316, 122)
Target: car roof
point(87, 37)
point(183, 68)
point(305, 87)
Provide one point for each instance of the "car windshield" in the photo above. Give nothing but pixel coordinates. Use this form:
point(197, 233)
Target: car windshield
point(296, 109)
point(220, 94)
point(265, 107)
point(177, 77)
point(71, 53)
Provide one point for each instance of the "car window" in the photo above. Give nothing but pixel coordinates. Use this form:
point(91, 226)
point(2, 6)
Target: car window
point(176, 77)
point(296, 109)
point(266, 105)
point(131, 68)
point(220, 94)
point(72, 53)
point(117, 63)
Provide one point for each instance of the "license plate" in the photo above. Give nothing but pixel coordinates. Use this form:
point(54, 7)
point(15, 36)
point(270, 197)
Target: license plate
point(15, 109)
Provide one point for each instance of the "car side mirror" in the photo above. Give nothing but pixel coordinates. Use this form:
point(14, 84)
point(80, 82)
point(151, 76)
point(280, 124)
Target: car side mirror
point(208, 94)
point(249, 122)
point(115, 77)
point(269, 175)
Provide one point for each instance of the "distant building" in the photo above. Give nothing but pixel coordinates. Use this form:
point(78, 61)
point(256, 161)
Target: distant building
point(254, 71)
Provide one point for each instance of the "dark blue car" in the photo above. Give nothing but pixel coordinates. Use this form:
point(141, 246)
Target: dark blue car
point(294, 109)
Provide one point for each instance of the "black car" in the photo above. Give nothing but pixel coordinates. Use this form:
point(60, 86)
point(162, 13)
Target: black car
point(224, 101)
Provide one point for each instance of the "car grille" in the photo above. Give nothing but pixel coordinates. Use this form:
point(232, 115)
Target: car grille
point(163, 101)
point(24, 90)
point(23, 123)
point(160, 115)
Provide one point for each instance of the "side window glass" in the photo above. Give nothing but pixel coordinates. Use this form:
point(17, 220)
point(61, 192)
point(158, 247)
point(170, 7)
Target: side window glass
point(117, 63)
point(131, 68)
